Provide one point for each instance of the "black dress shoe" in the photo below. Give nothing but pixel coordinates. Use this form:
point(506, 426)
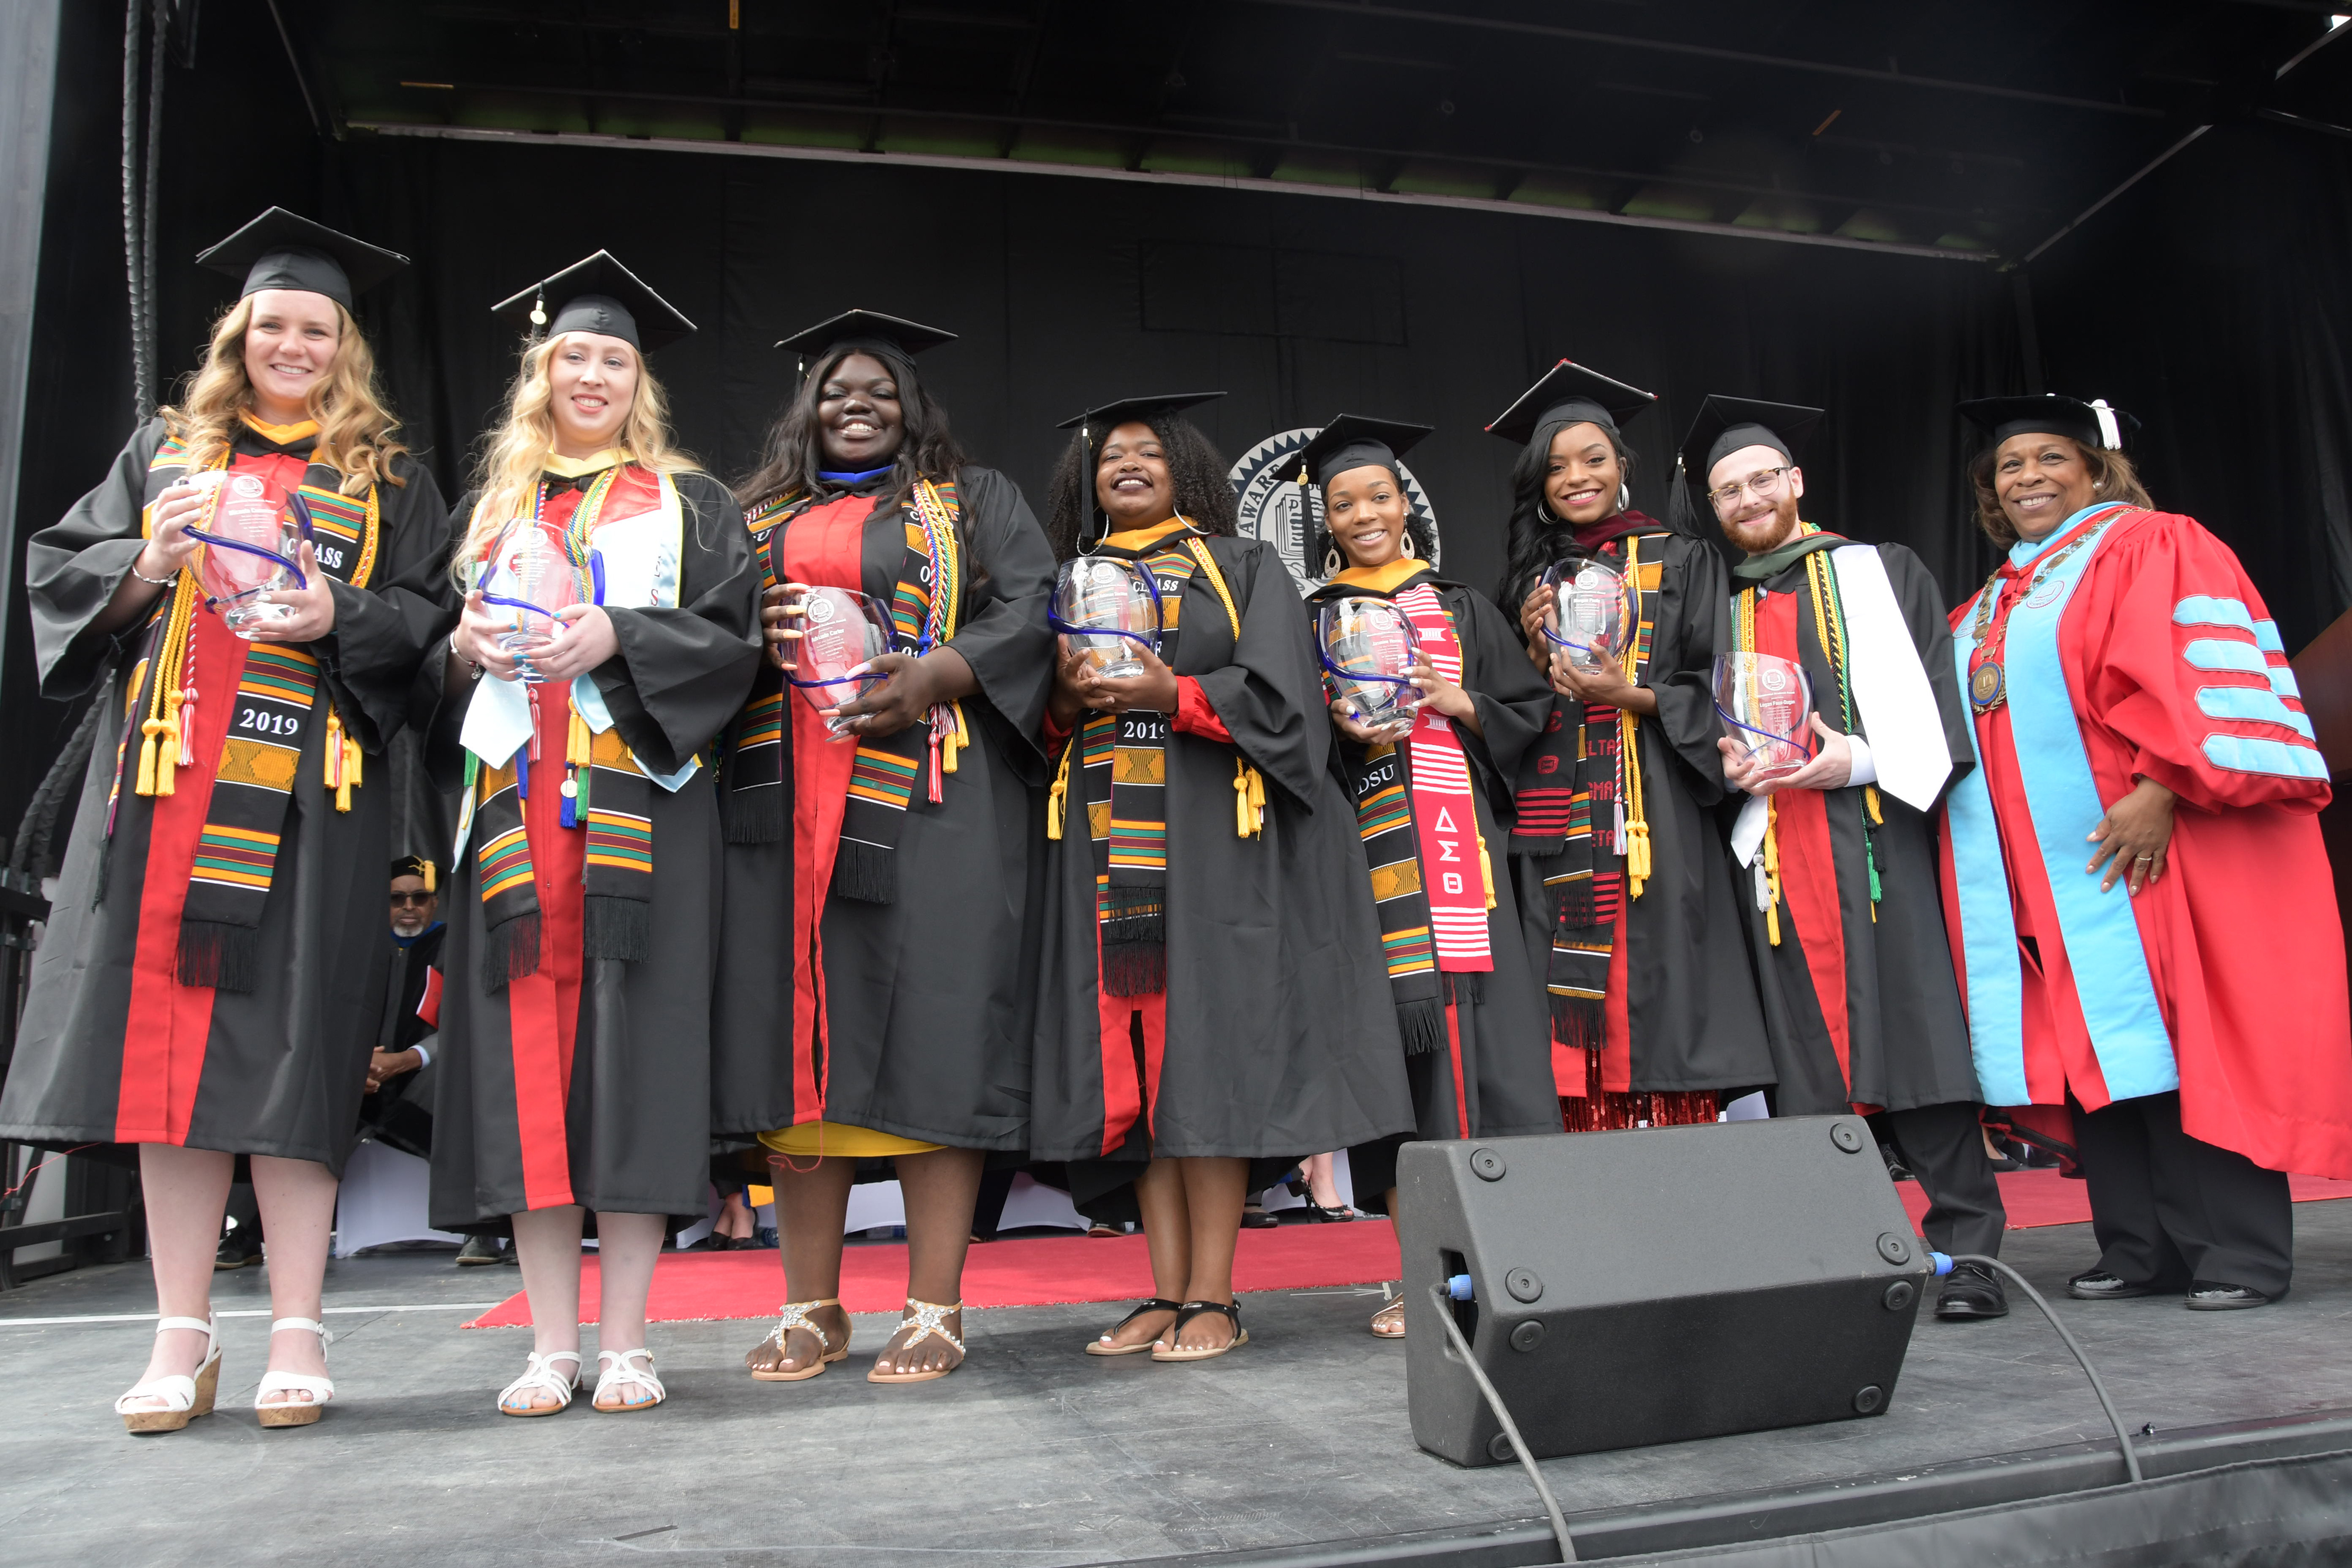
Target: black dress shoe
point(2210, 1296)
point(237, 1251)
point(2098, 1285)
point(477, 1250)
point(1256, 1218)
point(1971, 1290)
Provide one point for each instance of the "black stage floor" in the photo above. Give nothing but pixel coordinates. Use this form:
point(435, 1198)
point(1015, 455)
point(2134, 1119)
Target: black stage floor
point(1032, 1454)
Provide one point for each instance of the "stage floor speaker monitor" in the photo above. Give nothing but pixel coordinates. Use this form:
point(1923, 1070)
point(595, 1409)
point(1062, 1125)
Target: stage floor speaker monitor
point(1654, 1285)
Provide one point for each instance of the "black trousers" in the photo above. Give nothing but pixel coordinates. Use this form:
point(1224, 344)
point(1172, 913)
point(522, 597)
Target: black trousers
point(2168, 1208)
point(1943, 1148)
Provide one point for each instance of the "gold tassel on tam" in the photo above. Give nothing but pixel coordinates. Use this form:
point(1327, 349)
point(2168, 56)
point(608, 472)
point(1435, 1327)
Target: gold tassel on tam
point(1057, 799)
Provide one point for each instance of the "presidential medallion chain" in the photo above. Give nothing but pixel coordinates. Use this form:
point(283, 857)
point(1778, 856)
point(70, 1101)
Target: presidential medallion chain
point(1988, 682)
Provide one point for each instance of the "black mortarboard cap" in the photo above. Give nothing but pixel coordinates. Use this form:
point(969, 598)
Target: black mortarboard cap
point(1098, 421)
point(866, 327)
point(2091, 424)
point(417, 865)
point(1352, 441)
point(283, 250)
point(598, 295)
point(1724, 424)
point(1570, 394)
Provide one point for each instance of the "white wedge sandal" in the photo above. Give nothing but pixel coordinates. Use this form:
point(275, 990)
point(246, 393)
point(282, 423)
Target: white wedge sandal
point(184, 1397)
point(295, 1412)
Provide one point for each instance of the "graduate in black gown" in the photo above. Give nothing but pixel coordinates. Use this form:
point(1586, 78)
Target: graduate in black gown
point(217, 946)
point(1624, 895)
point(575, 1013)
point(1212, 991)
point(1477, 1029)
point(398, 1109)
point(880, 933)
point(1845, 915)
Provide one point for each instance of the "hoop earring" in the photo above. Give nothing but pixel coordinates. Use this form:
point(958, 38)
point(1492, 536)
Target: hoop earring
point(1332, 564)
point(1404, 545)
point(1543, 514)
point(1624, 496)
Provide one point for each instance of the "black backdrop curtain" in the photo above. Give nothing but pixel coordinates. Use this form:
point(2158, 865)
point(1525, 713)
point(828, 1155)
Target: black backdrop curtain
point(2210, 301)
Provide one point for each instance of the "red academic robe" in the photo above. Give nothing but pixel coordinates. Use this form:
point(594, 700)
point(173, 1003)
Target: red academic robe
point(2148, 653)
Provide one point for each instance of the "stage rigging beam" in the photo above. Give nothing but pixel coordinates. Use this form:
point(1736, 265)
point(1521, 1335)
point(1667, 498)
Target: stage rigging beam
point(1705, 51)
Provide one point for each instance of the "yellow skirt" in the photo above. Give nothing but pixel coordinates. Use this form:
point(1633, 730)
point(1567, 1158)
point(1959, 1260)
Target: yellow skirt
point(808, 1140)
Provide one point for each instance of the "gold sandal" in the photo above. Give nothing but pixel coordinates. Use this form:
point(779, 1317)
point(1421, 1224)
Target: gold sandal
point(930, 1318)
point(796, 1315)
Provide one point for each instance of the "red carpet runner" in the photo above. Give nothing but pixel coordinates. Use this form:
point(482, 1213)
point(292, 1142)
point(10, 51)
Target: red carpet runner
point(690, 1286)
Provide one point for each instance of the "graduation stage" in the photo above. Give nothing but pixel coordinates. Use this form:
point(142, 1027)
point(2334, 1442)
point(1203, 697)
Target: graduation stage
point(1036, 1453)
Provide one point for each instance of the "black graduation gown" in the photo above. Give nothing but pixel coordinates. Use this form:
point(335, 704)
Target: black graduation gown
point(1907, 1038)
point(400, 1113)
point(1281, 1037)
point(635, 1126)
point(112, 1048)
point(1495, 1079)
point(1692, 1016)
point(929, 1008)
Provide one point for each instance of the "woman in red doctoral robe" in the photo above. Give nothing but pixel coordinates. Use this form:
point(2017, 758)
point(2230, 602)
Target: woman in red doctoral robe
point(2133, 708)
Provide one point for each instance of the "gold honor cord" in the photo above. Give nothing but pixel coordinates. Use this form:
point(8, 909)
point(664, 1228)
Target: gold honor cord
point(1746, 636)
point(1637, 821)
point(1829, 621)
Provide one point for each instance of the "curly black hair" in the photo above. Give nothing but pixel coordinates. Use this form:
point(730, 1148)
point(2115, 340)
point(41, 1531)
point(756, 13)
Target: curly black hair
point(1195, 469)
point(1537, 539)
point(795, 449)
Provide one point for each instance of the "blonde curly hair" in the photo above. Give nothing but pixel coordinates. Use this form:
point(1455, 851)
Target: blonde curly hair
point(354, 426)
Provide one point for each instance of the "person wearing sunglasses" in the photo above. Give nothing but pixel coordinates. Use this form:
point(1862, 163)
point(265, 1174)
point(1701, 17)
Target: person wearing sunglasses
point(880, 920)
point(1845, 915)
point(2139, 899)
point(218, 922)
point(1215, 1005)
point(1424, 783)
point(1626, 900)
point(607, 635)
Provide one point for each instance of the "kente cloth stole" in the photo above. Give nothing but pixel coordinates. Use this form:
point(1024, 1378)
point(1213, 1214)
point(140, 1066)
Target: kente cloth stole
point(1123, 759)
point(276, 690)
point(1829, 629)
point(605, 792)
point(1580, 818)
point(923, 615)
point(1414, 811)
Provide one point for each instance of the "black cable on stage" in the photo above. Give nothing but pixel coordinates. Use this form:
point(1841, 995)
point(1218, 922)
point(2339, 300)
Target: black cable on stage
point(150, 175)
point(28, 851)
point(1511, 1428)
point(2123, 1437)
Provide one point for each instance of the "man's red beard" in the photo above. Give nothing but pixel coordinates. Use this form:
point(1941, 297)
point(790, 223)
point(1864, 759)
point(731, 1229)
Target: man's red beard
point(1778, 525)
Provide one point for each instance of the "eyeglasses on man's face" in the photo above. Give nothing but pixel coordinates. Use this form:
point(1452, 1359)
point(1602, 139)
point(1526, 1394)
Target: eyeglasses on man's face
point(402, 900)
point(1765, 483)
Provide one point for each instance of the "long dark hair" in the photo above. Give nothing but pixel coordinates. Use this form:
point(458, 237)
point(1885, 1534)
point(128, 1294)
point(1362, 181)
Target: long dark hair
point(1537, 539)
point(795, 446)
point(1195, 471)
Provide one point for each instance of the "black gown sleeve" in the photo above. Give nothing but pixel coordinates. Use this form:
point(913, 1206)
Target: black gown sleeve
point(383, 633)
point(683, 673)
point(1694, 625)
point(1512, 699)
point(1003, 636)
point(1270, 696)
point(73, 566)
point(1922, 602)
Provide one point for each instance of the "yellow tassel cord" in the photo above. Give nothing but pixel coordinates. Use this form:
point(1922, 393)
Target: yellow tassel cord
point(1637, 821)
point(1249, 788)
point(957, 739)
point(341, 756)
point(1057, 798)
point(1745, 632)
point(1829, 625)
point(1486, 869)
point(429, 878)
point(164, 738)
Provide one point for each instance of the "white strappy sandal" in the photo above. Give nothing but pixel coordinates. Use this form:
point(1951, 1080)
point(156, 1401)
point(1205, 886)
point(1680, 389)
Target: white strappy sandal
point(617, 1374)
point(927, 1319)
point(540, 1376)
point(184, 1397)
point(295, 1412)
